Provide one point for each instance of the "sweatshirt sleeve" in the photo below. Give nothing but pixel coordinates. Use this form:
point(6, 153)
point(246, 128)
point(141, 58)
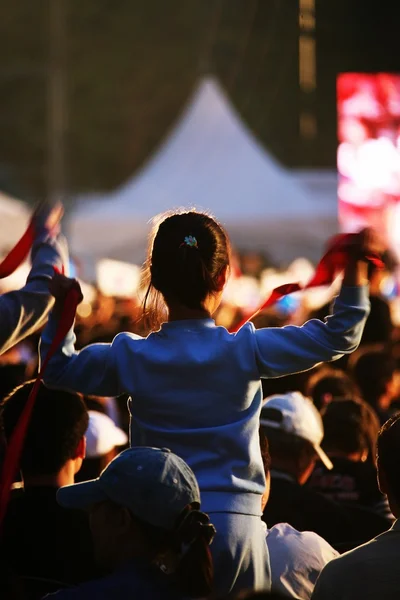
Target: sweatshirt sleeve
point(24, 311)
point(291, 349)
point(92, 371)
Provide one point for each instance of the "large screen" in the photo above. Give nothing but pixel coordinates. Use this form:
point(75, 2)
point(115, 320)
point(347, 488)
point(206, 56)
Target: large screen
point(369, 154)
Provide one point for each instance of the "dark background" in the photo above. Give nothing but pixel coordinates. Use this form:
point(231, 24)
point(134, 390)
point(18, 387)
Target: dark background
point(131, 65)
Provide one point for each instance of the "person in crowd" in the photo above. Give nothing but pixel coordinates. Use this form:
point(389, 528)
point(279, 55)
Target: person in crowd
point(24, 311)
point(12, 375)
point(103, 439)
point(41, 540)
point(295, 431)
point(297, 558)
point(327, 383)
point(379, 326)
point(192, 382)
point(371, 571)
point(376, 374)
point(115, 408)
point(350, 432)
point(147, 527)
point(283, 385)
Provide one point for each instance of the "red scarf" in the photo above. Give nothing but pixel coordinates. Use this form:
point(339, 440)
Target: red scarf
point(340, 250)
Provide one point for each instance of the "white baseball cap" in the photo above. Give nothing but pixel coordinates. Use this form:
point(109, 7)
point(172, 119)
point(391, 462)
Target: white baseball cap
point(299, 417)
point(102, 435)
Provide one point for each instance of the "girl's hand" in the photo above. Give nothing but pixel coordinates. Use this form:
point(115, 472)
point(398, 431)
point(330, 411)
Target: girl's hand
point(367, 243)
point(370, 243)
point(60, 286)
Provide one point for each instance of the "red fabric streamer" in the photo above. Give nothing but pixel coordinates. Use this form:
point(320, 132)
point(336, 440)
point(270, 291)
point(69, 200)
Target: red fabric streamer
point(16, 444)
point(334, 261)
point(19, 253)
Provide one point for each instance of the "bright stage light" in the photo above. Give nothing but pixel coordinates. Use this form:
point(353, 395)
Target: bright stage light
point(369, 154)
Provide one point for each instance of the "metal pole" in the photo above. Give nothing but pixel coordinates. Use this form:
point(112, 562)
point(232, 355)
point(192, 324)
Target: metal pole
point(57, 114)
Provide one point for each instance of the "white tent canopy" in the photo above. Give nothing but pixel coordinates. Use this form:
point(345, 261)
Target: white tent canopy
point(211, 161)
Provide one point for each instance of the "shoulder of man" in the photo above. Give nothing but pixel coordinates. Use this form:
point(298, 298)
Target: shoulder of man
point(341, 573)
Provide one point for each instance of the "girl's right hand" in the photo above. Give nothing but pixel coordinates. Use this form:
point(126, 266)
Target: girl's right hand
point(367, 243)
point(61, 285)
point(370, 243)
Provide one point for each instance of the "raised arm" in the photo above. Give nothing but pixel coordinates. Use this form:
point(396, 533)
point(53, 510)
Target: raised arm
point(285, 350)
point(91, 371)
point(291, 349)
point(24, 311)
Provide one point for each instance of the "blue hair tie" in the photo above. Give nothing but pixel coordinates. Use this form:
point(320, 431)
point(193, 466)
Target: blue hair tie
point(190, 241)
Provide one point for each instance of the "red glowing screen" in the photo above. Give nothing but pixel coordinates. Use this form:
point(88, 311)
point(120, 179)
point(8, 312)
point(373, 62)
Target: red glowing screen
point(369, 153)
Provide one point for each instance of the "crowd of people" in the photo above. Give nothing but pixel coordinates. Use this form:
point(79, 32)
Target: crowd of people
point(179, 460)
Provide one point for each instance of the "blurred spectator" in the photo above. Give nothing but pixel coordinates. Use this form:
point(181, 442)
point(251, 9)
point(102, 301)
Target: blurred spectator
point(371, 571)
point(253, 263)
point(115, 408)
point(24, 311)
point(11, 376)
point(379, 327)
point(325, 384)
point(351, 430)
point(294, 430)
point(41, 539)
point(376, 374)
point(287, 383)
point(147, 528)
point(103, 439)
point(296, 558)
point(271, 317)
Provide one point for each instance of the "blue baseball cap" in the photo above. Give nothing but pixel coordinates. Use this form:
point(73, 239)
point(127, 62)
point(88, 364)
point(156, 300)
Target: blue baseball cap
point(154, 484)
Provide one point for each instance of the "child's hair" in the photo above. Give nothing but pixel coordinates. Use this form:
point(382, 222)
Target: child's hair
point(187, 253)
